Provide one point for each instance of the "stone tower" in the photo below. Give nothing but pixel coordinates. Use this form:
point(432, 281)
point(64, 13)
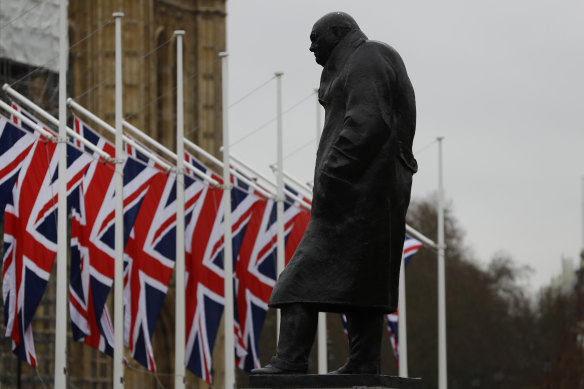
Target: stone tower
point(149, 90)
point(149, 63)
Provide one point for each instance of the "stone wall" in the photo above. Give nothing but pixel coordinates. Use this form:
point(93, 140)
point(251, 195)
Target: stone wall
point(149, 90)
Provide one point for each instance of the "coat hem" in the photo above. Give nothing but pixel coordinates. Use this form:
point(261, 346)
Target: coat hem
point(334, 307)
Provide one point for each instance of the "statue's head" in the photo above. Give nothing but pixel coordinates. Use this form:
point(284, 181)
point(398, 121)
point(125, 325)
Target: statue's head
point(327, 32)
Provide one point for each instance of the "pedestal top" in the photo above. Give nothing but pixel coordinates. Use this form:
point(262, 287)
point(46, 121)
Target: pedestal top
point(331, 381)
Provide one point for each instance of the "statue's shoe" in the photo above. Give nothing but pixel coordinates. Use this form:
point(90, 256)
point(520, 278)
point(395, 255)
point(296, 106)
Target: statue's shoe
point(269, 369)
point(363, 369)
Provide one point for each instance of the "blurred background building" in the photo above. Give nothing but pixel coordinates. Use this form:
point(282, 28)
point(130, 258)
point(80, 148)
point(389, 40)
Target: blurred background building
point(565, 282)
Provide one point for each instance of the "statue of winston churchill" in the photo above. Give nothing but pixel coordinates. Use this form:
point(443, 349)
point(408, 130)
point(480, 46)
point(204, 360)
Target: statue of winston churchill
point(349, 258)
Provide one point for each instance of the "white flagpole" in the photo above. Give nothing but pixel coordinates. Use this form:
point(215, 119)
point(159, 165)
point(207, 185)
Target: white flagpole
point(318, 119)
point(301, 187)
point(26, 120)
point(54, 121)
point(280, 263)
point(118, 377)
point(583, 214)
point(322, 346)
point(442, 369)
point(227, 251)
point(268, 182)
point(421, 237)
point(60, 374)
point(112, 130)
point(179, 339)
point(217, 162)
point(401, 323)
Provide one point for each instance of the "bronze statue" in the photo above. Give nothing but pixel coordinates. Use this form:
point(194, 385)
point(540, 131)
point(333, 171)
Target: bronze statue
point(349, 258)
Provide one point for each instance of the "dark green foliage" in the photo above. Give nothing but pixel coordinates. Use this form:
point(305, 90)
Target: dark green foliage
point(561, 330)
point(496, 336)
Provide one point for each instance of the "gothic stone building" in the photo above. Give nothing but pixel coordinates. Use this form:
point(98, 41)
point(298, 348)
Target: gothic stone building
point(149, 86)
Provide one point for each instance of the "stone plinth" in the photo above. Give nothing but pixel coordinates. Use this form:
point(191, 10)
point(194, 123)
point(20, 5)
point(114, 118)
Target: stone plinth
point(332, 381)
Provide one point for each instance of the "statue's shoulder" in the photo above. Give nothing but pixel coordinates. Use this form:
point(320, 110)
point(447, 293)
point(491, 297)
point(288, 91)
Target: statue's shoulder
point(378, 54)
point(380, 48)
point(373, 54)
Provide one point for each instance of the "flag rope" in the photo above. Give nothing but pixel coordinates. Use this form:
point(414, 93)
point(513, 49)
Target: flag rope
point(41, 67)
point(141, 369)
point(21, 15)
point(272, 120)
point(108, 78)
point(40, 378)
point(217, 114)
point(171, 92)
point(111, 76)
point(422, 149)
point(257, 174)
point(155, 49)
point(300, 148)
point(251, 92)
point(51, 119)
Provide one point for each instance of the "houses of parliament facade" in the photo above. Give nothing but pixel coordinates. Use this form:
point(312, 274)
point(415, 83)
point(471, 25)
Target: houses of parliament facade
point(149, 103)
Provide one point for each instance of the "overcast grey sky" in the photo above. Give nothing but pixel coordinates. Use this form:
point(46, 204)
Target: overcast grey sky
point(501, 80)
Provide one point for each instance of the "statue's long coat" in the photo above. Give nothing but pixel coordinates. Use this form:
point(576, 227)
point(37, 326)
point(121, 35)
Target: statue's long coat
point(351, 252)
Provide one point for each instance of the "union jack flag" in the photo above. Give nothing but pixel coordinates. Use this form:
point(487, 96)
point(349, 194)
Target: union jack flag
point(91, 267)
point(256, 273)
point(30, 236)
point(21, 124)
point(411, 246)
point(204, 268)
point(14, 147)
point(256, 268)
point(392, 328)
point(92, 239)
point(154, 161)
point(204, 277)
point(296, 216)
point(15, 144)
point(149, 258)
